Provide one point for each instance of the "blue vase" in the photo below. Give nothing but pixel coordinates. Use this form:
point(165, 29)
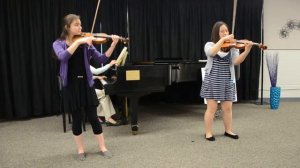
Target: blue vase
point(275, 97)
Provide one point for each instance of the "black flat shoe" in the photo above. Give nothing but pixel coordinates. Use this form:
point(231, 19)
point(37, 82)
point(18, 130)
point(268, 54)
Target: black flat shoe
point(212, 138)
point(112, 124)
point(81, 156)
point(231, 136)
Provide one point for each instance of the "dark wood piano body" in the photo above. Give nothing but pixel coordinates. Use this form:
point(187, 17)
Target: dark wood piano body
point(148, 79)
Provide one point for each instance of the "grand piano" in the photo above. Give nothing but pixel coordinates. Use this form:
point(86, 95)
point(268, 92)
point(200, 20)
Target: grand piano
point(136, 80)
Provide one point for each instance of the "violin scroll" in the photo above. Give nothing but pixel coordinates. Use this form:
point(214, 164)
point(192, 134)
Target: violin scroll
point(103, 35)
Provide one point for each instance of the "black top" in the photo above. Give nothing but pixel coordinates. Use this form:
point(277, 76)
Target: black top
point(78, 93)
point(76, 63)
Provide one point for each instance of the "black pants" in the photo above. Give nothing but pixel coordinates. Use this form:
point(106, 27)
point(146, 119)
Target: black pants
point(91, 113)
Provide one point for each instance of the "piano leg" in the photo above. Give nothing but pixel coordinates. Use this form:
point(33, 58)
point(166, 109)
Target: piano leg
point(126, 111)
point(133, 101)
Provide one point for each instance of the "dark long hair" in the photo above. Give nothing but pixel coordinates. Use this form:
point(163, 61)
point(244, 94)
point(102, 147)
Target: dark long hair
point(66, 23)
point(68, 19)
point(215, 37)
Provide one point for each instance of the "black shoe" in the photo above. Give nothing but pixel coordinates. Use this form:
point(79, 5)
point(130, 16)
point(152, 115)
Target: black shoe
point(231, 136)
point(116, 117)
point(112, 124)
point(81, 156)
point(134, 129)
point(212, 138)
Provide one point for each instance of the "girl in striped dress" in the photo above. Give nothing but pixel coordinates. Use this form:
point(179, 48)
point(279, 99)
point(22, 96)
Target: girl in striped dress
point(219, 81)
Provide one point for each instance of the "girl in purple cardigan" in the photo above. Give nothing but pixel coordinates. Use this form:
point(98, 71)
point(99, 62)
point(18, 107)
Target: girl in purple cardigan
point(77, 80)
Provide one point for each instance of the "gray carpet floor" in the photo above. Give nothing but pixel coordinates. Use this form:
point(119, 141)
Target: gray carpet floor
point(169, 136)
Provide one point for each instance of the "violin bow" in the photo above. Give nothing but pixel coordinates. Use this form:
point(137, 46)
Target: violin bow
point(233, 15)
point(98, 4)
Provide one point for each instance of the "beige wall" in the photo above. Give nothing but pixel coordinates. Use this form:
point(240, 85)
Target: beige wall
point(276, 15)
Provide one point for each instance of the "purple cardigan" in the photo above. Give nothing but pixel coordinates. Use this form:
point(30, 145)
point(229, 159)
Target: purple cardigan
point(60, 49)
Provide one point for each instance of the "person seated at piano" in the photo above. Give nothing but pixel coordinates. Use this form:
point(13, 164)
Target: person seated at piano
point(98, 71)
point(105, 108)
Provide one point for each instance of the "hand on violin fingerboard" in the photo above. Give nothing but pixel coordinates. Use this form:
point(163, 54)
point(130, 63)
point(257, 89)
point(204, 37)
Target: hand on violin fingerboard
point(115, 39)
point(248, 45)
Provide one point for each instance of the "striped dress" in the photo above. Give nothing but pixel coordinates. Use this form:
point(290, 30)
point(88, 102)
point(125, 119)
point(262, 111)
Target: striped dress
point(217, 84)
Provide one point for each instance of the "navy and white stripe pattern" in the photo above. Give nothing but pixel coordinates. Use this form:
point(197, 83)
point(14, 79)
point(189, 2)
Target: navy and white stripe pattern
point(217, 84)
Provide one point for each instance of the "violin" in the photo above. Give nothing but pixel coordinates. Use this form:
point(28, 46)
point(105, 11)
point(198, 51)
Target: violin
point(100, 38)
point(239, 44)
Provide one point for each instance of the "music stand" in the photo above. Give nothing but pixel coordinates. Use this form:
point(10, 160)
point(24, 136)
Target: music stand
point(122, 57)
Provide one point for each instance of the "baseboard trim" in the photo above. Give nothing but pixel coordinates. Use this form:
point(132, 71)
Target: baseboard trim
point(283, 99)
